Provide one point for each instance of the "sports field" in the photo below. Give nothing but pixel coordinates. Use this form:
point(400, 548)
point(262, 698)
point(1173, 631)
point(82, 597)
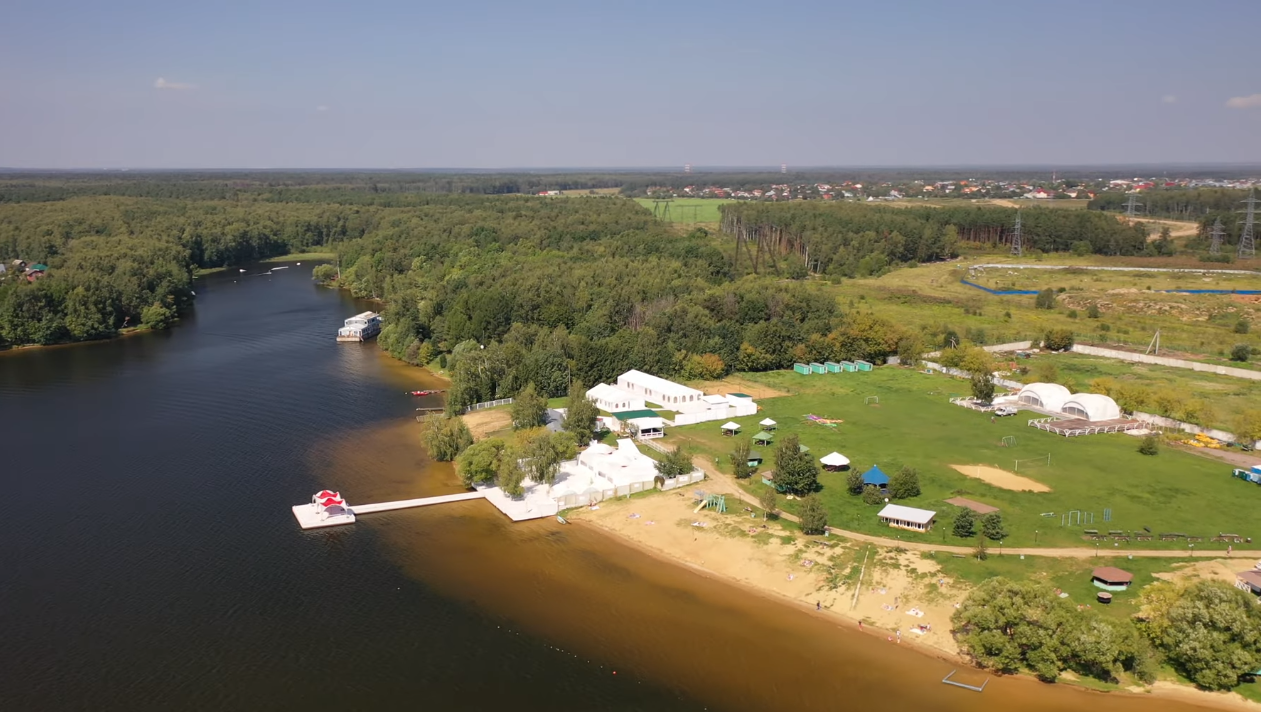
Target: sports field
point(689, 210)
point(914, 424)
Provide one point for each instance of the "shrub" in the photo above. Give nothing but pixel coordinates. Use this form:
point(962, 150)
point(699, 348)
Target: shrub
point(854, 482)
point(1058, 339)
point(992, 526)
point(1239, 352)
point(1242, 326)
point(1072, 313)
point(814, 518)
point(1092, 311)
point(1081, 248)
point(1045, 299)
point(1150, 445)
point(872, 495)
point(158, 317)
point(904, 484)
point(739, 458)
point(965, 524)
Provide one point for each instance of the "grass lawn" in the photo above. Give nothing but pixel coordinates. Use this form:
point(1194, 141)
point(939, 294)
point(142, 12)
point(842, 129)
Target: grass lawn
point(690, 210)
point(915, 425)
point(1226, 395)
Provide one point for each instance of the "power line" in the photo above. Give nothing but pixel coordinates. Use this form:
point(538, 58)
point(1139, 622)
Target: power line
point(1247, 243)
point(1215, 235)
point(1130, 206)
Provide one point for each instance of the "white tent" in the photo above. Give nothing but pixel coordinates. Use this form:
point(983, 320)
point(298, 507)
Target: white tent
point(1050, 396)
point(767, 423)
point(1092, 406)
point(835, 459)
point(731, 426)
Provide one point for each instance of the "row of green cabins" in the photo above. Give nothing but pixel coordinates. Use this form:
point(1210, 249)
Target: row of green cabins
point(806, 369)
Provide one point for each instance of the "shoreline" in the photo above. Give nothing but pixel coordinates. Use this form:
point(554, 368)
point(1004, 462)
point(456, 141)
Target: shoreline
point(854, 621)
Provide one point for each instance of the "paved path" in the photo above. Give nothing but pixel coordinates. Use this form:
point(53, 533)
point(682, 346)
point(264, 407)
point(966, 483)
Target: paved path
point(1077, 552)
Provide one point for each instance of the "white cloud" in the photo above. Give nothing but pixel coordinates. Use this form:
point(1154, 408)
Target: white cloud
point(164, 84)
point(1169, 99)
point(321, 107)
point(1244, 102)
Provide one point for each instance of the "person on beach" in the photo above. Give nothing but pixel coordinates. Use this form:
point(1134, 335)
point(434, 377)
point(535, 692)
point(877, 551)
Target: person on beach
point(818, 606)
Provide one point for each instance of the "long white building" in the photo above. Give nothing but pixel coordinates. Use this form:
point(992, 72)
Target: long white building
point(659, 391)
point(613, 399)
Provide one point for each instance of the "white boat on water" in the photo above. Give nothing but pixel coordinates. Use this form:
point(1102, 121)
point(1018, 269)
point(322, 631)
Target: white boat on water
point(360, 327)
point(276, 268)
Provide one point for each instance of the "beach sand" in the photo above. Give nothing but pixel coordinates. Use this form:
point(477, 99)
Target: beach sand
point(772, 561)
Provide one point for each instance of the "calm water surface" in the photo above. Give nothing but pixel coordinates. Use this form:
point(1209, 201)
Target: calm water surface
point(149, 559)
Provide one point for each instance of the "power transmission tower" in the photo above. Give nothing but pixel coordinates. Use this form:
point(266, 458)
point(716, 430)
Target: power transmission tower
point(1247, 243)
point(1130, 206)
point(661, 209)
point(783, 168)
point(1154, 345)
point(1017, 244)
point(1215, 235)
point(687, 167)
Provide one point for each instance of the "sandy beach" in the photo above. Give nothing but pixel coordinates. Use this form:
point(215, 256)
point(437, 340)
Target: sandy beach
point(899, 592)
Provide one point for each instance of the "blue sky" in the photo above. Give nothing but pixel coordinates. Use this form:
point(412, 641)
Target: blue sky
point(398, 84)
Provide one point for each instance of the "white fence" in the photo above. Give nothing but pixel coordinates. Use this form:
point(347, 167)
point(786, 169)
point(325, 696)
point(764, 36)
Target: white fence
point(487, 404)
point(994, 348)
point(1050, 425)
point(1166, 361)
point(960, 373)
point(1188, 427)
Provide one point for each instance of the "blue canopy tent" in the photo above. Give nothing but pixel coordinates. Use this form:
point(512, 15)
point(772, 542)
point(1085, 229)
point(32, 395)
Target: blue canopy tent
point(876, 477)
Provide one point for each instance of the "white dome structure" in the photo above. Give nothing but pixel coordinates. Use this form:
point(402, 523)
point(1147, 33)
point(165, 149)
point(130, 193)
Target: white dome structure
point(1048, 396)
point(1092, 407)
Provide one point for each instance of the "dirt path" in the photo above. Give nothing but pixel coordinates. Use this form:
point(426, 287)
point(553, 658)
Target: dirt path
point(724, 479)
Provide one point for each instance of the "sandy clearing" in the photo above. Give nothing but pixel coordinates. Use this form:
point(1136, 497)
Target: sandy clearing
point(482, 423)
point(736, 384)
point(1213, 570)
point(1001, 478)
point(893, 583)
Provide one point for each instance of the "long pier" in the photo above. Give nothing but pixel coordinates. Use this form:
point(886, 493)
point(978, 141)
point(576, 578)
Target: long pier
point(309, 518)
point(420, 502)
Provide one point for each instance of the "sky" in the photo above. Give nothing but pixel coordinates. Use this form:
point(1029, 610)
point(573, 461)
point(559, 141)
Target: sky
point(495, 85)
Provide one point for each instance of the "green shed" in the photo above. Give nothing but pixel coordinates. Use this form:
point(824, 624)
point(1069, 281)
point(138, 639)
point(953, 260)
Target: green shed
point(801, 368)
point(863, 365)
point(832, 366)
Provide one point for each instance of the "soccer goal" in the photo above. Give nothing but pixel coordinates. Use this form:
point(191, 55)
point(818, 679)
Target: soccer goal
point(872, 399)
point(1009, 441)
point(1031, 461)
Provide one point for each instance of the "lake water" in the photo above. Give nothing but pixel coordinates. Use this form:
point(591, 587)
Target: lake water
point(149, 560)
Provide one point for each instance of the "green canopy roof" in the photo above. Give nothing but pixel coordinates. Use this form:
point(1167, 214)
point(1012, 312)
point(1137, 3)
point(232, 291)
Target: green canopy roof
point(802, 448)
point(41, 267)
point(763, 436)
point(632, 414)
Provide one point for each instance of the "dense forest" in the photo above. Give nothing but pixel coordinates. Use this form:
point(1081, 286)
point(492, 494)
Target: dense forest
point(1203, 205)
point(854, 239)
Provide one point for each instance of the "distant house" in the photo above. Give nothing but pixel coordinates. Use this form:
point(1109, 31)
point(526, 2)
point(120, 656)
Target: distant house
point(36, 271)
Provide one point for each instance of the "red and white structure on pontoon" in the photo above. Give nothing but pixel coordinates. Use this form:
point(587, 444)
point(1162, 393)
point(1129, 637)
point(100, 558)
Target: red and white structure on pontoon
point(326, 509)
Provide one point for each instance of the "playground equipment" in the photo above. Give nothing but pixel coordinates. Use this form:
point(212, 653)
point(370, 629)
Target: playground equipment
point(871, 399)
point(1107, 514)
point(716, 502)
point(1035, 460)
point(1077, 518)
point(1009, 441)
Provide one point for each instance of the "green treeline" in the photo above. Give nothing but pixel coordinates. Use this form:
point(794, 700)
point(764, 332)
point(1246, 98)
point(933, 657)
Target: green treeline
point(511, 291)
point(853, 239)
point(1203, 205)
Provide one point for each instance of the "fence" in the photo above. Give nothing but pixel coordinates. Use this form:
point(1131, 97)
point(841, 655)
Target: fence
point(1166, 361)
point(1185, 427)
point(487, 404)
point(1050, 426)
point(960, 373)
point(999, 292)
point(994, 348)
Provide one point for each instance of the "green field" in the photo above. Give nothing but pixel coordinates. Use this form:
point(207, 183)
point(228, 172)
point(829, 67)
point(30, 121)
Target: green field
point(914, 424)
point(690, 210)
point(931, 297)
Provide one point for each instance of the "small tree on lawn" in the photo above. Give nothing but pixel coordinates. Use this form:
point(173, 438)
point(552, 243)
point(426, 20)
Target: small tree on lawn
point(965, 524)
point(904, 484)
point(510, 474)
point(872, 495)
point(1240, 353)
point(1045, 299)
point(795, 471)
point(740, 459)
point(1150, 445)
point(854, 482)
point(677, 462)
point(814, 518)
point(769, 502)
point(1058, 339)
point(529, 410)
point(983, 387)
point(992, 526)
point(1248, 426)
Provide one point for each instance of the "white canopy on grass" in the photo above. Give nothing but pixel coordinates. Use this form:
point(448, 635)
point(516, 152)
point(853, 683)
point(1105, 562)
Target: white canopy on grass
point(731, 426)
point(835, 459)
point(767, 421)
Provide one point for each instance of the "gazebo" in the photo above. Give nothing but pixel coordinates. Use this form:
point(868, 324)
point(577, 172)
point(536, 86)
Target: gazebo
point(802, 448)
point(329, 504)
point(1110, 578)
point(875, 476)
point(763, 438)
point(767, 424)
point(834, 462)
point(730, 428)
